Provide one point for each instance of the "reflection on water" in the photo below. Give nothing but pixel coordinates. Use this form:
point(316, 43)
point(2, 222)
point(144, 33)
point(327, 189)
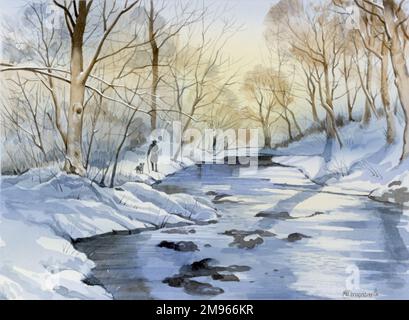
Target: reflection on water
point(341, 230)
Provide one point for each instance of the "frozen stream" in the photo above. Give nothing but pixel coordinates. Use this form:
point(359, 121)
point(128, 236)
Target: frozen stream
point(348, 239)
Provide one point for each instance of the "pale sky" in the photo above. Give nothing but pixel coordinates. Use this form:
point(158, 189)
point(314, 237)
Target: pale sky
point(246, 46)
point(249, 43)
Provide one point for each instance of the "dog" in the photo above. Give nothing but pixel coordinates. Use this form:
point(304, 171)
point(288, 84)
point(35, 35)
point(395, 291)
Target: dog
point(139, 168)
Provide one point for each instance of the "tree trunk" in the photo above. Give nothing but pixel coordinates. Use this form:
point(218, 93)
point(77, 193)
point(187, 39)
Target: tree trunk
point(295, 122)
point(327, 104)
point(118, 150)
point(390, 116)
point(73, 161)
point(366, 118)
point(267, 137)
point(314, 112)
point(180, 147)
point(369, 102)
point(154, 90)
point(115, 167)
point(312, 90)
point(290, 134)
point(400, 69)
point(346, 82)
point(155, 65)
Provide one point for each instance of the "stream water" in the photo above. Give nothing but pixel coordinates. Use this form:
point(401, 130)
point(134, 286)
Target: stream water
point(279, 236)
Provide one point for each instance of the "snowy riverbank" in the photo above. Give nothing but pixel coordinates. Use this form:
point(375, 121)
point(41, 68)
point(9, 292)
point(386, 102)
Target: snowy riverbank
point(44, 210)
point(365, 165)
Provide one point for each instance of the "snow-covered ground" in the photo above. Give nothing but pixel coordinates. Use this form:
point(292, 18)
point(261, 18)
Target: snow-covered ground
point(365, 164)
point(44, 210)
point(279, 236)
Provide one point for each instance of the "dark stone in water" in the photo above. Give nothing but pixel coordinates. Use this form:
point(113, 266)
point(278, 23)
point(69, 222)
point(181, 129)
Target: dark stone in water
point(221, 196)
point(274, 215)
point(119, 189)
point(193, 287)
point(178, 231)
point(175, 282)
point(240, 235)
point(296, 237)
point(203, 268)
point(283, 215)
point(218, 197)
point(249, 244)
point(167, 244)
point(200, 265)
point(243, 233)
point(200, 288)
point(208, 245)
point(183, 246)
point(265, 233)
point(225, 277)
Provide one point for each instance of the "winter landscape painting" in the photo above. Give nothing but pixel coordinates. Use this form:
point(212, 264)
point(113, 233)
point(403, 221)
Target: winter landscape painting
point(204, 149)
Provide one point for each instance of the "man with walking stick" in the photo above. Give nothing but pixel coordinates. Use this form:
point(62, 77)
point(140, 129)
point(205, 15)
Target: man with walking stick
point(153, 155)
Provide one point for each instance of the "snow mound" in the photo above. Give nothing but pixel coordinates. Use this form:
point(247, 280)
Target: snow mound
point(311, 166)
point(187, 206)
point(40, 265)
point(197, 207)
point(397, 191)
point(49, 209)
point(363, 164)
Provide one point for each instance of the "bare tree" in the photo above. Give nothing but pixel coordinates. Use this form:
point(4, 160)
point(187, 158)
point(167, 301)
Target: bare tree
point(41, 45)
point(130, 117)
point(223, 114)
point(370, 39)
point(272, 97)
point(260, 89)
point(393, 18)
point(160, 33)
point(311, 87)
point(347, 70)
point(321, 43)
point(198, 74)
point(24, 114)
point(77, 14)
point(314, 37)
point(379, 49)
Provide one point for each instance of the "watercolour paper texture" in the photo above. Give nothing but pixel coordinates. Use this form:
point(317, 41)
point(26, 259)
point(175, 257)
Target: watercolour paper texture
point(203, 149)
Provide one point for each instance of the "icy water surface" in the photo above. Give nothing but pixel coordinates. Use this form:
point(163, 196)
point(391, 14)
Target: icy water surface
point(279, 237)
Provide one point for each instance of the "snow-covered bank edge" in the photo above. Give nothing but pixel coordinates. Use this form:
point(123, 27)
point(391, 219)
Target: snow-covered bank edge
point(365, 166)
point(44, 211)
point(396, 191)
